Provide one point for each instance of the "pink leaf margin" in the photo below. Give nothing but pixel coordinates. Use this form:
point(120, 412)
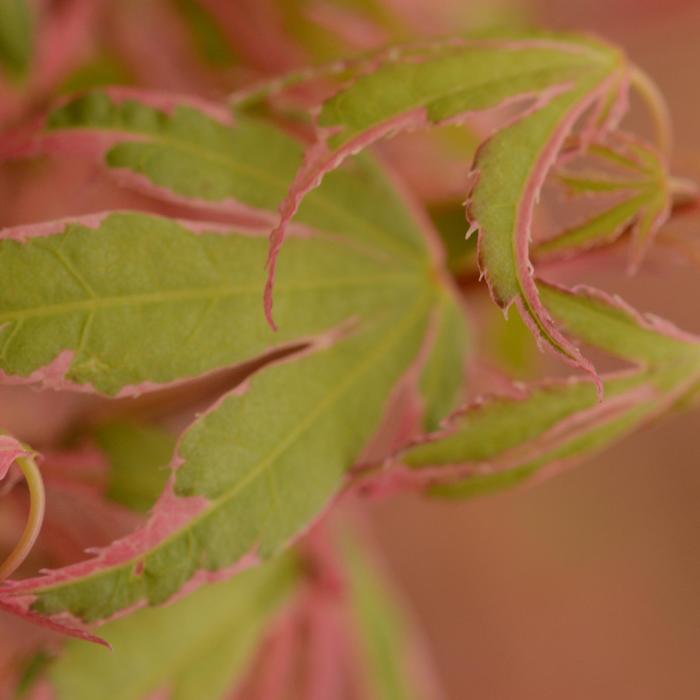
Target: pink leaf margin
point(170, 514)
point(393, 477)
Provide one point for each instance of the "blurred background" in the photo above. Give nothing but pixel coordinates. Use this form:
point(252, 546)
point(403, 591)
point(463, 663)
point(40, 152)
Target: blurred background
point(584, 586)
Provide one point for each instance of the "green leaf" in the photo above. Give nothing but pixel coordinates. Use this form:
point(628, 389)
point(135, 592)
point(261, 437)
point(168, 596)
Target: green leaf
point(594, 183)
point(16, 36)
point(389, 649)
point(206, 33)
point(511, 169)
point(412, 87)
point(601, 229)
point(192, 153)
point(263, 462)
point(138, 301)
point(101, 70)
point(510, 345)
point(644, 200)
point(441, 380)
point(289, 440)
point(506, 439)
point(503, 440)
point(611, 325)
point(200, 647)
point(588, 443)
point(461, 252)
point(184, 151)
point(139, 456)
point(449, 79)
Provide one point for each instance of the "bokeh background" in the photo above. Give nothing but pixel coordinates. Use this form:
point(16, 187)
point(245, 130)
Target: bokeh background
point(584, 586)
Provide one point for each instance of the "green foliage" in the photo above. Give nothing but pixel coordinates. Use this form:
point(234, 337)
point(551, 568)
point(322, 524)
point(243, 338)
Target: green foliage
point(441, 380)
point(104, 69)
point(200, 647)
point(644, 200)
point(289, 439)
point(225, 625)
point(365, 378)
point(387, 644)
point(16, 37)
point(441, 83)
point(510, 438)
point(207, 36)
point(450, 79)
point(184, 301)
point(185, 153)
point(138, 457)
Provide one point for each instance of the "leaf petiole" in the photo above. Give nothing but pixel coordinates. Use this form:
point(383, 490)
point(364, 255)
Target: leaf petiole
point(37, 502)
point(649, 91)
point(683, 190)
